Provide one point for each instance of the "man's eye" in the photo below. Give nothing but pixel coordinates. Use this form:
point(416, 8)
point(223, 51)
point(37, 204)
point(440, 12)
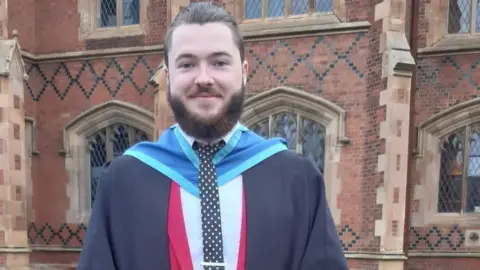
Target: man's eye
point(185, 65)
point(221, 63)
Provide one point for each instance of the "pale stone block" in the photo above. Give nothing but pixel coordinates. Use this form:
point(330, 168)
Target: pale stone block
point(385, 128)
point(18, 261)
point(5, 100)
point(381, 163)
point(382, 10)
point(16, 238)
point(390, 265)
point(5, 192)
point(381, 195)
point(6, 222)
point(14, 208)
point(380, 228)
point(17, 178)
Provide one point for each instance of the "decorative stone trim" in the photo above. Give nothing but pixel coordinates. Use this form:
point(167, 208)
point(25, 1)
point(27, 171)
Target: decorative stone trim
point(76, 154)
point(316, 108)
point(428, 164)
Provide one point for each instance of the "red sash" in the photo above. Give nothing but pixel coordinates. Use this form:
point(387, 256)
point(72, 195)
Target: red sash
point(180, 258)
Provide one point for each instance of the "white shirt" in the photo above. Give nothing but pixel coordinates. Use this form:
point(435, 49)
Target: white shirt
point(231, 214)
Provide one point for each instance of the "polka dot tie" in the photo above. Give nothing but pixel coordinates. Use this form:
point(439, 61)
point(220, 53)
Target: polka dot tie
point(210, 207)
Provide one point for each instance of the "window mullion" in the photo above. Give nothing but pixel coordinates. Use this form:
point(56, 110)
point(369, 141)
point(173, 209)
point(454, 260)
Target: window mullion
point(119, 12)
point(264, 9)
point(473, 13)
point(288, 8)
point(311, 6)
point(270, 125)
point(297, 138)
point(109, 143)
point(466, 160)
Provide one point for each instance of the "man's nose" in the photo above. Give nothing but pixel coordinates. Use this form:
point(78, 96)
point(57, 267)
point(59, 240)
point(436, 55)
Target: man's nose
point(204, 79)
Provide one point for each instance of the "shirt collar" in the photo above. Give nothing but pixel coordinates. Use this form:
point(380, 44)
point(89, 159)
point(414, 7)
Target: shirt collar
point(225, 138)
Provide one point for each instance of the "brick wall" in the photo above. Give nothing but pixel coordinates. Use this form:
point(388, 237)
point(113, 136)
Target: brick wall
point(344, 68)
point(444, 79)
point(53, 26)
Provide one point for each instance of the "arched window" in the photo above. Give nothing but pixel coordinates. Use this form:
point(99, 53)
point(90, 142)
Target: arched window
point(305, 136)
point(312, 126)
point(447, 180)
point(459, 183)
point(92, 140)
point(107, 144)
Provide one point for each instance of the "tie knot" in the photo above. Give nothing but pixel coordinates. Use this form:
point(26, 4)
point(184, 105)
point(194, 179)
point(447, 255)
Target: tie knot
point(207, 151)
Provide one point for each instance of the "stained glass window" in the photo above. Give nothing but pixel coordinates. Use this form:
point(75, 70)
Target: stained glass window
point(254, 9)
point(110, 10)
point(459, 183)
point(108, 144)
point(303, 135)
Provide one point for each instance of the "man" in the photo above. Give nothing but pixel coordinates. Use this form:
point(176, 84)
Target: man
point(210, 194)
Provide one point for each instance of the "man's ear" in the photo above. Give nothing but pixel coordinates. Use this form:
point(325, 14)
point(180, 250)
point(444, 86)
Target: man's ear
point(245, 71)
point(165, 70)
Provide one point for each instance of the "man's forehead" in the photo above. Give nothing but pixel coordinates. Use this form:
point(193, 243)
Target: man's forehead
point(211, 36)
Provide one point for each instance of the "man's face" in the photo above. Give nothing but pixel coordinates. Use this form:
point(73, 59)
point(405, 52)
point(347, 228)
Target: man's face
point(206, 78)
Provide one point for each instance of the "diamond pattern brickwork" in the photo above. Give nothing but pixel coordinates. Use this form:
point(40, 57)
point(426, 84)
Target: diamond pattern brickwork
point(435, 87)
point(312, 64)
point(110, 74)
point(72, 235)
point(437, 239)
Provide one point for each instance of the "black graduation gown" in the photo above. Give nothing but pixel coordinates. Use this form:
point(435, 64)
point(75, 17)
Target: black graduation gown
point(289, 225)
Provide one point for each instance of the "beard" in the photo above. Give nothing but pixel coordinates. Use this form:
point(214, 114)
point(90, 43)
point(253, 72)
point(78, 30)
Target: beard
point(212, 128)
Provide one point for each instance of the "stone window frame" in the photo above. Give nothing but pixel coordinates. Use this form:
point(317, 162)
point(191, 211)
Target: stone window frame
point(75, 149)
point(427, 165)
point(438, 39)
point(316, 108)
point(88, 16)
point(30, 152)
point(288, 24)
point(279, 26)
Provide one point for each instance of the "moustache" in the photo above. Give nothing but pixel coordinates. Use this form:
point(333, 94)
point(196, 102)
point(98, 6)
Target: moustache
point(202, 92)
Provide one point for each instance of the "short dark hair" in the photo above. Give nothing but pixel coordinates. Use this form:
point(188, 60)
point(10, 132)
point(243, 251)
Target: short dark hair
point(202, 13)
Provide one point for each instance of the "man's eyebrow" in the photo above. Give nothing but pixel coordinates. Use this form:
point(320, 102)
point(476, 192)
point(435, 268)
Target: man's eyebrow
point(214, 54)
point(221, 53)
point(184, 55)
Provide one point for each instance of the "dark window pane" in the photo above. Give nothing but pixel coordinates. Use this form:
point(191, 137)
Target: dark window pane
point(103, 149)
point(451, 173)
point(473, 184)
point(299, 7)
point(98, 158)
point(323, 6)
point(253, 9)
point(276, 8)
point(313, 142)
point(131, 12)
point(108, 13)
point(459, 16)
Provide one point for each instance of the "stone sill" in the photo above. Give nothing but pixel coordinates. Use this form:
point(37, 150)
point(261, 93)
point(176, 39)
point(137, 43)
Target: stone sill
point(453, 45)
point(329, 24)
point(470, 219)
point(455, 254)
point(118, 32)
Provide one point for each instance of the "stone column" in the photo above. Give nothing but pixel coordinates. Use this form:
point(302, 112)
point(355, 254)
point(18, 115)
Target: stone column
point(14, 246)
point(397, 67)
point(162, 112)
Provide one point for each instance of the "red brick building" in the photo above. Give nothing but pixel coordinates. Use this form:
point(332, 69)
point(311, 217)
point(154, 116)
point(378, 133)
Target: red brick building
point(381, 94)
